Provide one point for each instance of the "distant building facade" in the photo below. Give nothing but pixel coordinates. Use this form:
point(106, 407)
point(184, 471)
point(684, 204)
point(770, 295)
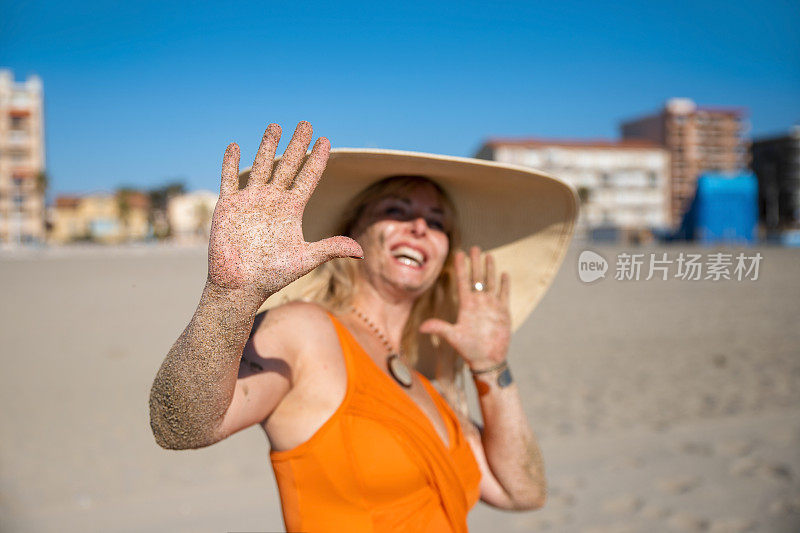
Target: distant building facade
point(103, 218)
point(189, 216)
point(699, 139)
point(22, 160)
point(776, 163)
point(622, 184)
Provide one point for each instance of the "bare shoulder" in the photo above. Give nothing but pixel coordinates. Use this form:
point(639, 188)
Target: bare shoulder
point(289, 318)
point(278, 362)
point(292, 329)
point(316, 377)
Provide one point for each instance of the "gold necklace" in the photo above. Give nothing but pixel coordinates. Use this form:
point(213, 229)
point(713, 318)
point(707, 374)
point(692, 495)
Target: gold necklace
point(397, 367)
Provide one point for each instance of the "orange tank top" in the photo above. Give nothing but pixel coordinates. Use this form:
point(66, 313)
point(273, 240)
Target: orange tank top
point(377, 464)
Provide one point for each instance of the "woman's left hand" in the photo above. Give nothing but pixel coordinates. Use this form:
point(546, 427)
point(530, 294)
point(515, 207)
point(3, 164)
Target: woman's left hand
point(482, 331)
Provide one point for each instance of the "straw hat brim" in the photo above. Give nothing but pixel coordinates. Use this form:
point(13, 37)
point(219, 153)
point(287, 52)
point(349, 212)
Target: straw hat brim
point(523, 217)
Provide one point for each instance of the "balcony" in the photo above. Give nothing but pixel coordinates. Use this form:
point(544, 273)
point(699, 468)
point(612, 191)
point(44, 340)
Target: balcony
point(17, 138)
point(19, 112)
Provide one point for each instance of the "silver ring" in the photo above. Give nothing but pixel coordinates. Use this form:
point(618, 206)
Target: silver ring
point(478, 286)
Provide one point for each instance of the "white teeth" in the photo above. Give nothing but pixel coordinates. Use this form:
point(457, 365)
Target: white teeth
point(409, 253)
point(408, 261)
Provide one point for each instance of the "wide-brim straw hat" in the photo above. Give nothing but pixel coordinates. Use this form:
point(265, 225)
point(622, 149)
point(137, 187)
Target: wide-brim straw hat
point(523, 217)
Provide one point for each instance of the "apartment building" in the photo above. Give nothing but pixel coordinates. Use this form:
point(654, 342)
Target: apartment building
point(621, 184)
point(190, 214)
point(776, 163)
point(699, 139)
point(103, 218)
point(22, 160)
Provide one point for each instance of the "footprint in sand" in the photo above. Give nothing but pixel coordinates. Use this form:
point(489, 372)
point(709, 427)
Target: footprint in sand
point(624, 504)
point(702, 449)
point(687, 522)
point(776, 472)
point(751, 466)
point(731, 525)
point(679, 485)
point(562, 499)
point(744, 466)
point(654, 513)
point(784, 507)
point(736, 447)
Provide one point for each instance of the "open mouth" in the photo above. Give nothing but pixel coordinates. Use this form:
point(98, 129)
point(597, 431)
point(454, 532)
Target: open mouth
point(409, 256)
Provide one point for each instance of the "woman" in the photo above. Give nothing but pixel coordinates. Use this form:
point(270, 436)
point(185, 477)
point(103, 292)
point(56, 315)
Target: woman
point(360, 441)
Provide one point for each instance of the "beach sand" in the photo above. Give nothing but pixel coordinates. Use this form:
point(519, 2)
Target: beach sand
point(659, 405)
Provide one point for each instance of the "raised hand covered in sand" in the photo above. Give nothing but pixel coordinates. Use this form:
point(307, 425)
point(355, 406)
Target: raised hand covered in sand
point(256, 240)
point(482, 331)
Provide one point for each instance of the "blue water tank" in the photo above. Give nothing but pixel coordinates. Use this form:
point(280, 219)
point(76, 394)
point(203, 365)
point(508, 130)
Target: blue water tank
point(724, 209)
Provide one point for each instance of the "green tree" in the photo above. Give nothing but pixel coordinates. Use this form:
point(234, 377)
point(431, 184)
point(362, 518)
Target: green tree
point(42, 182)
point(124, 207)
point(159, 199)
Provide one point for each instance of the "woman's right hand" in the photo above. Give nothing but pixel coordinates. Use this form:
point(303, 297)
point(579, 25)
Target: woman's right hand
point(256, 242)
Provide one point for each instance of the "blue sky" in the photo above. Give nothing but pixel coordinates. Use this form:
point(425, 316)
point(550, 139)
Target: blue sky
point(139, 93)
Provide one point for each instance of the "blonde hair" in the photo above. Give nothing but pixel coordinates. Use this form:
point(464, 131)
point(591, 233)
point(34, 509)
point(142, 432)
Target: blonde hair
point(333, 287)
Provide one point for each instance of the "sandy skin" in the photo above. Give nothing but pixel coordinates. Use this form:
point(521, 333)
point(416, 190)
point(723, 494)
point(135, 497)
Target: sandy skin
point(256, 247)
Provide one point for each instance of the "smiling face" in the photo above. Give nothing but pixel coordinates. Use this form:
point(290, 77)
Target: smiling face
point(404, 235)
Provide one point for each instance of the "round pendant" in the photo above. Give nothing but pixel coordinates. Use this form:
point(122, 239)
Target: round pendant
point(399, 370)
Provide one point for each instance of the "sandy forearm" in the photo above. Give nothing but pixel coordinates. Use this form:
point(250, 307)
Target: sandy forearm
point(510, 446)
point(256, 245)
point(195, 384)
